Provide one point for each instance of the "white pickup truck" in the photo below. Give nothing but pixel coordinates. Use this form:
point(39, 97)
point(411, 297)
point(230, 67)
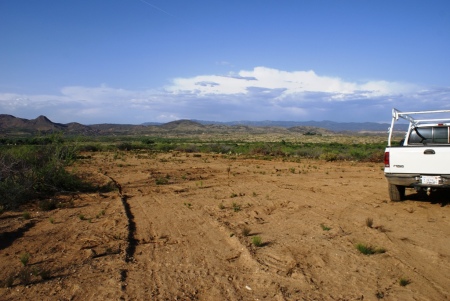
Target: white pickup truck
point(422, 160)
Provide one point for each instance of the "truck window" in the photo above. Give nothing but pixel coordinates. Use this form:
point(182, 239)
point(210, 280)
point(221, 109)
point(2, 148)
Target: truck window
point(414, 138)
point(433, 135)
point(440, 135)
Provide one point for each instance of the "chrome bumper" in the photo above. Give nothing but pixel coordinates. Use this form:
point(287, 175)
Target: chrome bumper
point(413, 180)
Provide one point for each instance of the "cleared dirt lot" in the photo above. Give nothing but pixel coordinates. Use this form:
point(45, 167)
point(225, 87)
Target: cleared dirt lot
point(181, 226)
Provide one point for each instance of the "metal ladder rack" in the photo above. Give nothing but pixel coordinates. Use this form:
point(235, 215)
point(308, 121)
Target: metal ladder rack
point(396, 114)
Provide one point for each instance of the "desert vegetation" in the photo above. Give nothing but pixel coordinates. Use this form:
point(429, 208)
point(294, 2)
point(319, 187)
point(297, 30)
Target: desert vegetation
point(37, 169)
point(209, 219)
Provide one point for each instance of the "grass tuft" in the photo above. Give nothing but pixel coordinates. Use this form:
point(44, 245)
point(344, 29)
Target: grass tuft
point(369, 250)
point(236, 207)
point(24, 258)
point(257, 241)
point(325, 227)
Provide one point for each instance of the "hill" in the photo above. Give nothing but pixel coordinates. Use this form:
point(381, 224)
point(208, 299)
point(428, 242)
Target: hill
point(14, 126)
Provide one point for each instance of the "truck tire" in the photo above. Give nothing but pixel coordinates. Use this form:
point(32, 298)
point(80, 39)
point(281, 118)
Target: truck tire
point(396, 193)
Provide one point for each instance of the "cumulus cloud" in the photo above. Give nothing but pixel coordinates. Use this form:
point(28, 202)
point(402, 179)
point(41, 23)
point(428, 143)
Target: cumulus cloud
point(259, 94)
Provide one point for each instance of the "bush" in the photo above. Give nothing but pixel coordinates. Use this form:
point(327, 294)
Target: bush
point(36, 171)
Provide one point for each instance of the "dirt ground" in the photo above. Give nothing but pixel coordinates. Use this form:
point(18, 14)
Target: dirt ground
point(186, 227)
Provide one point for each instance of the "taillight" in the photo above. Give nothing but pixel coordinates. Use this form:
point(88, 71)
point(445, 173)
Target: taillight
point(386, 159)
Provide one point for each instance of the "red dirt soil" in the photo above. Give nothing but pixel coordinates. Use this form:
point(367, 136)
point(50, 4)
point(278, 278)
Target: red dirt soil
point(182, 226)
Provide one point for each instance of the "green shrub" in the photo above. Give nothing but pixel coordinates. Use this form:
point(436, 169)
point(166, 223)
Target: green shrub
point(36, 171)
point(124, 146)
point(329, 157)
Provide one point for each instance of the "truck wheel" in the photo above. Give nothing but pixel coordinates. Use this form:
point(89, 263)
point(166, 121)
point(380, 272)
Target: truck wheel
point(396, 192)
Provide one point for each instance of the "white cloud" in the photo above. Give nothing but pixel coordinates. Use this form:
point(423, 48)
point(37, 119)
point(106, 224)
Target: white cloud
point(296, 82)
point(259, 94)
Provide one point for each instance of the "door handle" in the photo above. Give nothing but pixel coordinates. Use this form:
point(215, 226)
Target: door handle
point(429, 152)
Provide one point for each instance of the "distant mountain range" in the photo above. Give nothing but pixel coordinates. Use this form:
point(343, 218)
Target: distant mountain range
point(10, 125)
point(326, 124)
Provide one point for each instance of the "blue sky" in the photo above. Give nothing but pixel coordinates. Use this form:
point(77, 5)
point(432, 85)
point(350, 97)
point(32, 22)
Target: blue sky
point(135, 61)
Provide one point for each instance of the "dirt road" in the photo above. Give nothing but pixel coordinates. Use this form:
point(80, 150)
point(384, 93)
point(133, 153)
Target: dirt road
point(186, 227)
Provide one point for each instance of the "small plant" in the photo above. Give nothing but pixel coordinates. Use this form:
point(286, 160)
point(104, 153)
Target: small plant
point(256, 241)
point(404, 281)
point(24, 258)
point(246, 231)
point(71, 203)
point(221, 206)
point(324, 227)
point(25, 276)
point(35, 271)
point(48, 205)
point(369, 222)
point(233, 195)
point(51, 220)
point(162, 181)
point(254, 194)
point(9, 280)
point(81, 217)
point(26, 215)
point(292, 170)
point(45, 274)
point(236, 207)
point(379, 295)
point(189, 205)
point(101, 213)
point(369, 250)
